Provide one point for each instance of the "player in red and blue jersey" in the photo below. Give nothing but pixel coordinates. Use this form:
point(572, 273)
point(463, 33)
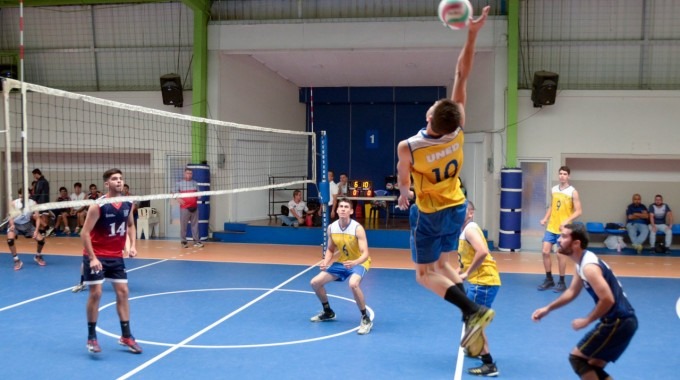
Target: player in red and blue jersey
point(104, 235)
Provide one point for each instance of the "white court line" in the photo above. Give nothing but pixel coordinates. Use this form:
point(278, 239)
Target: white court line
point(458, 375)
point(211, 326)
point(67, 289)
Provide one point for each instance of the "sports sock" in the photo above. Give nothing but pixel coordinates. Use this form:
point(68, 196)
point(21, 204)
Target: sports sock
point(548, 275)
point(562, 279)
point(91, 330)
point(82, 279)
point(457, 297)
point(125, 329)
point(326, 307)
point(487, 359)
point(461, 287)
point(363, 313)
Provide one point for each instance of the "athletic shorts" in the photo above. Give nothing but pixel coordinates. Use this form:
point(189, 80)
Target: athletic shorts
point(434, 233)
point(550, 237)
point(26, 229)
point(482, 294)
point(338, 270)
point(113, 268)
point(609, 338)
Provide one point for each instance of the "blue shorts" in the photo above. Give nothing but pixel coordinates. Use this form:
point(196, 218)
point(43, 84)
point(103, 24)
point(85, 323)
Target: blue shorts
point(609, 338)
point(482, 294)
point(550, 237)
point(112, 268)
point(338, 270)
point(434, 233)
point(26, 229)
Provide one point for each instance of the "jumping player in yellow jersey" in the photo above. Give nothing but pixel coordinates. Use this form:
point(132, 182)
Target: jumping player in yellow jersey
point(434, 158)
point(478, 267)
point(348, 242)
point(565, 207)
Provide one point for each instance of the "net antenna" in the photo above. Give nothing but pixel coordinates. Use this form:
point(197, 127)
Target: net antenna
point(75, 138)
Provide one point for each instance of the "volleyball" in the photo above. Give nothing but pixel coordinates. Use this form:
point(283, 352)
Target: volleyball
point(455, 14)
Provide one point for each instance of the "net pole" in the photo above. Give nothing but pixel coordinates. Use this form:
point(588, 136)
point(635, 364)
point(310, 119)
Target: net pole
point(325, 191)
point(8, 141)
point(24, 132)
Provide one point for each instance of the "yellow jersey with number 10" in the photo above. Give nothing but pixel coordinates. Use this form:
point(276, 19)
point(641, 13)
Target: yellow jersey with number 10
point(436, 165)
point(561, 208)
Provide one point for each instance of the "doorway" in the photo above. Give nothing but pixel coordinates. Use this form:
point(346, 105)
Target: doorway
point(535, 185)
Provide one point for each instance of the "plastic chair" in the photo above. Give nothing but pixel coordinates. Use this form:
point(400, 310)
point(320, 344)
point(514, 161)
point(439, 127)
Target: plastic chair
point(377, 205)
point(595, 228)
point(147, 221)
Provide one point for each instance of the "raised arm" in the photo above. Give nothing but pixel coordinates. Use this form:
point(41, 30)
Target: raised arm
point(465, 59)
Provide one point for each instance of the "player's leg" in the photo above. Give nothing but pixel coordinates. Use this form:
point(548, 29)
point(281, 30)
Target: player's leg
point(562, 267)
point(115, 270)
point(183, 220)
point(40, 239)
point(194, 229)
point(366, 323)
point(11, 240)
point(549, 239)
point(318, 285)
point(95, 281)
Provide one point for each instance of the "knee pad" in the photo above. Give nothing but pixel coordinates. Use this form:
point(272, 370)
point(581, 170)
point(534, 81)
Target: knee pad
point(41, 242)
point(10, 242)
point(580, 365)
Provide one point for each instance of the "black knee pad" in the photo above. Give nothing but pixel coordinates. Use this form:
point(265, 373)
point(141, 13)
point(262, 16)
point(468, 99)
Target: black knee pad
point(10, 242)
point(580, 365)
point(41, 242)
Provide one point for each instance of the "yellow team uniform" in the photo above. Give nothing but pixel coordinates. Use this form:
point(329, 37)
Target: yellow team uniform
point(487, 272)
point(561, 208)
point(435, 169)
point(347, 243)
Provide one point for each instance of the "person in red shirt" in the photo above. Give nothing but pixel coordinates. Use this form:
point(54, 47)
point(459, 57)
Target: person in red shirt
point(188, 209)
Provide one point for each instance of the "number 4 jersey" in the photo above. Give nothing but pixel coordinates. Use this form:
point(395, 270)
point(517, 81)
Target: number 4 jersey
point(109, 234)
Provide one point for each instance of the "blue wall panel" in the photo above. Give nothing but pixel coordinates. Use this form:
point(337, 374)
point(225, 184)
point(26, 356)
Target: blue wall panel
point(372, 163)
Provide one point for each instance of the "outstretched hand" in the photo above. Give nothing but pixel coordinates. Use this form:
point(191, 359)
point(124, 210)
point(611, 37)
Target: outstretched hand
point(478, 23)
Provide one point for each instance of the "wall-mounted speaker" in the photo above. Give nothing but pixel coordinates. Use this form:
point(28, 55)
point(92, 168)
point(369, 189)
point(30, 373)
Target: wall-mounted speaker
point(171, 88)
point(544, 89)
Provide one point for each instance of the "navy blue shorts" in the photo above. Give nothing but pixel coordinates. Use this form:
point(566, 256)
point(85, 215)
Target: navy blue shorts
point(434, 233)
point(112, 269)
point(608, 339)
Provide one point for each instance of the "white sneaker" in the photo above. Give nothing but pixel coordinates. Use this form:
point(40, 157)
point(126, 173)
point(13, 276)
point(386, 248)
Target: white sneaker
point(365, 326)
point(78, 288)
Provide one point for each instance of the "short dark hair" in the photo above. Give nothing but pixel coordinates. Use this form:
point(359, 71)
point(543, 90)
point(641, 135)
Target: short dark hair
point(78, 184)
point(565, 168)
point(63, 189)
point(578, 232)
point(110, 172)
point(445, 117)
point(92, 185)
point(36, 171)
point(344, 199)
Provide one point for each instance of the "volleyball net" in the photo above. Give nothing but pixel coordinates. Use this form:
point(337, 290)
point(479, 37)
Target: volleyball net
point(74, 138)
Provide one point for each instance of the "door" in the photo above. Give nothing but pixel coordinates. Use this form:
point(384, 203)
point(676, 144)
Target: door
point(535, 186)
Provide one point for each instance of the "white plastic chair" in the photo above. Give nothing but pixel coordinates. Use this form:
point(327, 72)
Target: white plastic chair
point(147, 221)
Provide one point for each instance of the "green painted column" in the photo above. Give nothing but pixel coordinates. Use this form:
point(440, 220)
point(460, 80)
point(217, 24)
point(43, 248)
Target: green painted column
point(199, 131)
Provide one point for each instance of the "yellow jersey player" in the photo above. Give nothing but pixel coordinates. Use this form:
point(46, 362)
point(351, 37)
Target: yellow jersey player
point(478, 267)
point(434, 158)
point(347, 241)
point(565, 207)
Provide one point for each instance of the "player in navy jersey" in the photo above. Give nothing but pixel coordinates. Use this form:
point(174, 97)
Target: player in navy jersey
point(104, 235)
point(617, 321)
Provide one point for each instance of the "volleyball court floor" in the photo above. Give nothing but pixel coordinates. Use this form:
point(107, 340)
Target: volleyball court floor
point(242, 312)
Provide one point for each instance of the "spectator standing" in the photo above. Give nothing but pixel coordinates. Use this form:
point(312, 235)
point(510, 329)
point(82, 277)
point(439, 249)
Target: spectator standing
point(188, 209)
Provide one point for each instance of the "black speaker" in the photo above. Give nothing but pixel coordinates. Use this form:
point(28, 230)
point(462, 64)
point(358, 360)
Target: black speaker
point(171, 88)
point(544, 89)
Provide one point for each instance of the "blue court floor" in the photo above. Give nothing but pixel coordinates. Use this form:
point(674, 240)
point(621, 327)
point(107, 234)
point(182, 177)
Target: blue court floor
point(209, 320)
